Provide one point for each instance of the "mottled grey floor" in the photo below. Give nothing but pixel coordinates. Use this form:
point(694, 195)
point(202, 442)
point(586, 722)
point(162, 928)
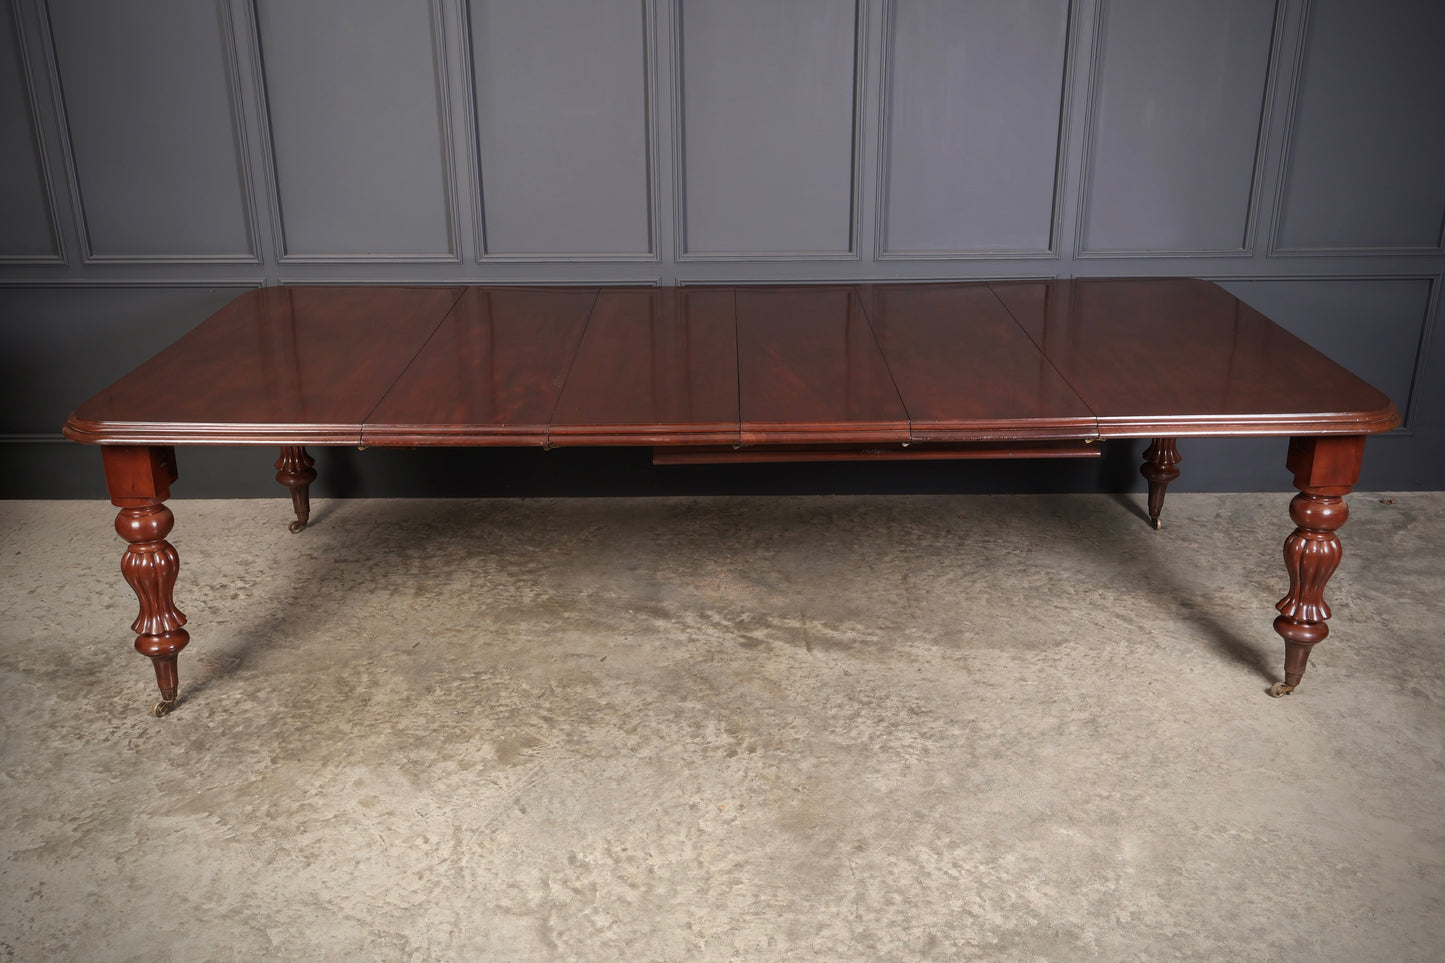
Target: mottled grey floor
point(852, 728)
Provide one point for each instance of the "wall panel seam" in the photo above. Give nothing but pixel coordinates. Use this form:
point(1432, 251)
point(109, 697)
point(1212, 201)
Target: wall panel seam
point(33, 101)
point(1275, 249)
point(681, 254)
point(1246, 250)
point(441, 87)
point(653, 253)
point(88, 256)
point(885, 144)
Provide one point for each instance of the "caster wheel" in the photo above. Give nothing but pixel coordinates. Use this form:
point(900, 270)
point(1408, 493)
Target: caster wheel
point(1157, 523)
point(1280, 689)
point(296, 526)
point(163, 708)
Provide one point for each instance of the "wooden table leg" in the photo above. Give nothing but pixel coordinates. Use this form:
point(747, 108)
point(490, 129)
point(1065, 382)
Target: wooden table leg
point(1161, 461)
point(139, 479)
point(1325, 469)
point(296, 470)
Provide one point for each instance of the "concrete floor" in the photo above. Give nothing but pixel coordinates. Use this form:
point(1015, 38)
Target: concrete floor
point(847, 728)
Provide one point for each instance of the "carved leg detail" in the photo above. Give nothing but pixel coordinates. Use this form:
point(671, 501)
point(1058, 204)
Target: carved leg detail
point(296, 470)
point(1160, 467)
point(1325, 469)
point(1311, 555)
point(150, 565)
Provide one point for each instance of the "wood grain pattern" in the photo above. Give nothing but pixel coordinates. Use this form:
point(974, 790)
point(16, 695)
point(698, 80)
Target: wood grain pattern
point(825, 373)
point(936, 363)
point(964, 368)
point(284, 366)
point(810, 371)
point(1175, 356)
point(656, 366)
point(492, 373)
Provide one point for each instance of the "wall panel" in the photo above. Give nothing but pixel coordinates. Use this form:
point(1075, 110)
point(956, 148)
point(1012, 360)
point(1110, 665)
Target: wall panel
point(361, 154)
point(767, 124)
point(971, 126)
point(563, 129)
point(26, 228)
point(1367, 145)
point(1177, 100)
point(152, 129)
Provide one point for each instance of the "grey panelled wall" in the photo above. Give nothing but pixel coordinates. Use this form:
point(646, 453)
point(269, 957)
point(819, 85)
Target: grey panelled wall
point(1174, 85)
point(315, 72)
point(157, 156)
point(562, 128)
point(958, 175)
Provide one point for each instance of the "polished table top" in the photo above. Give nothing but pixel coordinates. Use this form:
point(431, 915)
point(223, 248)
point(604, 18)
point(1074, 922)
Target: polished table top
point(956, 370)
point(796, 365)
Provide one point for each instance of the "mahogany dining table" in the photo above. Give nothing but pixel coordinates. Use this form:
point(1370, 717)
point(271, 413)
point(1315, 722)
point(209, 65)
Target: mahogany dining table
point(953, 370)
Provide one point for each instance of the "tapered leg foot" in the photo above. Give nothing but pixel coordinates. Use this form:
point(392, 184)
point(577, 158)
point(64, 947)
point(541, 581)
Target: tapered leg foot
point(1161, 466)
point(1325, 469)
point(150, 565)
point(139, 479)
point(296, 470)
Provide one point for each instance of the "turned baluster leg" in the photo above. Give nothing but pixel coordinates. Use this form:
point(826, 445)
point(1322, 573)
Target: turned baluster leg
point(296, 470)
point(1161, 461)
point(139, 481)
point(1325, 469)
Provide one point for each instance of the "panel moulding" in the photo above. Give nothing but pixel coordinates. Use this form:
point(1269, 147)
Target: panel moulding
point(440, 73)
point(1247, 240)
point(33, 100)
point(227, 41)
point(1274, 248)
point(679, 179)
point(885, 136)
point(652, 254)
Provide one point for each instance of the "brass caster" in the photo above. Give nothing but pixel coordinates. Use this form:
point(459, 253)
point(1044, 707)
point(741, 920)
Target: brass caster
point(296, 526)
point(1280, 689)
point(163, 707)
point(1158, 523)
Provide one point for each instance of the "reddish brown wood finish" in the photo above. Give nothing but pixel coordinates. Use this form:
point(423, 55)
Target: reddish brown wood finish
point(292, 365)
point(727, 455)
point(1325, 469)
point(1174, 356)
point(774, 373)
point(139, 480)
point(964, 368)
point(810, 371)
point(296, 469)
point(656, 366)
point(1161, 466)
point(491, 374)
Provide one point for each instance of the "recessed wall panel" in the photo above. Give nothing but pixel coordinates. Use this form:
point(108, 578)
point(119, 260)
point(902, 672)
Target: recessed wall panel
point(25, 228)
point(63, 345)
point(1371, 326)
point(562, 126)
point(356, 127)
point(148, 109)
point(1179, 92)
point(1368, 139)
point(972, 127)
point(767, 125)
